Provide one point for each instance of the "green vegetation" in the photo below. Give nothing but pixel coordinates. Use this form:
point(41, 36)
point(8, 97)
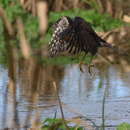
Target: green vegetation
point(124, 126)
point(61, 60)
point(14, 10)
point(100, 22)
point(58, 124)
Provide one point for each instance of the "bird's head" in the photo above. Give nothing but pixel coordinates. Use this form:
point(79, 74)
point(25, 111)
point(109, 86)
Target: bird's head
point(63, 22)
point(64, 25)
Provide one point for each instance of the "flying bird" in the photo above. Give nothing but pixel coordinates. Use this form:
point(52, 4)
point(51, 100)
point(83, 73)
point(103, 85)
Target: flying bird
point(75, 35)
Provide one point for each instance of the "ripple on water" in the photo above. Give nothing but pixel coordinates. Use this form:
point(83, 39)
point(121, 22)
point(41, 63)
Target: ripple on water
point(80, 93)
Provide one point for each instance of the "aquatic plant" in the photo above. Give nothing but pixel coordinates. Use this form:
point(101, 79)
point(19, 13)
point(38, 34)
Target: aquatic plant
point(123, 126)
point(57, 124)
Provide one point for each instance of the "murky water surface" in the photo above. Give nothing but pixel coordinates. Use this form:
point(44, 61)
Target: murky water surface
point(80, 93)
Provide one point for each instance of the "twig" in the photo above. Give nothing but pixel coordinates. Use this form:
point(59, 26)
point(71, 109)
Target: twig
point(60, 105)
point(107, 34)
point(103, 108)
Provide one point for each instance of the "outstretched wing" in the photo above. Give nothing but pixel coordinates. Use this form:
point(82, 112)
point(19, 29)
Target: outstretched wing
point(87, 39)
point(74, 35)
point(60, 36)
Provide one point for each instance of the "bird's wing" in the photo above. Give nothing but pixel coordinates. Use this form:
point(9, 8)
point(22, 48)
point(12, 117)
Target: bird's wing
point(71, 39)
point(60, 37)
point(99, 41)
point(56, 44)
point(75, 35)
point(88, 40)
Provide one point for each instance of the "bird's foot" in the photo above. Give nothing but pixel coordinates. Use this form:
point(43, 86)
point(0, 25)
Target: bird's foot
point(90, 66)
point(80, 66)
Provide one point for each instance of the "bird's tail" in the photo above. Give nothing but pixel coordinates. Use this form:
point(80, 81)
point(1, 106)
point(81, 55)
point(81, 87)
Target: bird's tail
point(115, 49)
point(105, 44)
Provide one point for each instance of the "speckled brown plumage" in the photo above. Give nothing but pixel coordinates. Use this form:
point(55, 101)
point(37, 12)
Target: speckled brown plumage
point(75, 36)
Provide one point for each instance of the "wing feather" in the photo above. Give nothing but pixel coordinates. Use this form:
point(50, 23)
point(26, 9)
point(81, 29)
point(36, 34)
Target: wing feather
point(74, 35)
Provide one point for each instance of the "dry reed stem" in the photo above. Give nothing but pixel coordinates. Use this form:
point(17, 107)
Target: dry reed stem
point(42, 9)
point(75, 3)
point(107, 34)
point(126, 18)
point(36, 122)
point(33, 2)
point(8, 36)
point(103, 107)
point(43, 21)
point(11, 58)
point(34, 78)
point(105, 59)
point(29, 5)
point(24, 45)
point(6, 22)
point(60, 3)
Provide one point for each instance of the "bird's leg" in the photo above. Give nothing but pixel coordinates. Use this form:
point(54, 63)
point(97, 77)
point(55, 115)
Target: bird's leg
point(82, 63)
point(90, 65)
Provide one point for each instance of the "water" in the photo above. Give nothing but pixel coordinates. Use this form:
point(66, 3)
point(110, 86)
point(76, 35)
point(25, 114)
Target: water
point(80, 93)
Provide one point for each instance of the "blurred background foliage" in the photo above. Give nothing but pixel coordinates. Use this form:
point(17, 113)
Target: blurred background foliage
point(103, 15)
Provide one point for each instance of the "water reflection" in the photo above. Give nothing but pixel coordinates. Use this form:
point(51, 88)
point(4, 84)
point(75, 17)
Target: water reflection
point(80, 91)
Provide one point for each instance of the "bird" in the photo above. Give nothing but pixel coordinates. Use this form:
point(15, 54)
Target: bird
point(75, 35)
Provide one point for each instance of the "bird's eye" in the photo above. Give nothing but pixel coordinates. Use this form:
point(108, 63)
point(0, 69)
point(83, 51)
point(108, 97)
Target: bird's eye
point(62, 23)
point(65, 23)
